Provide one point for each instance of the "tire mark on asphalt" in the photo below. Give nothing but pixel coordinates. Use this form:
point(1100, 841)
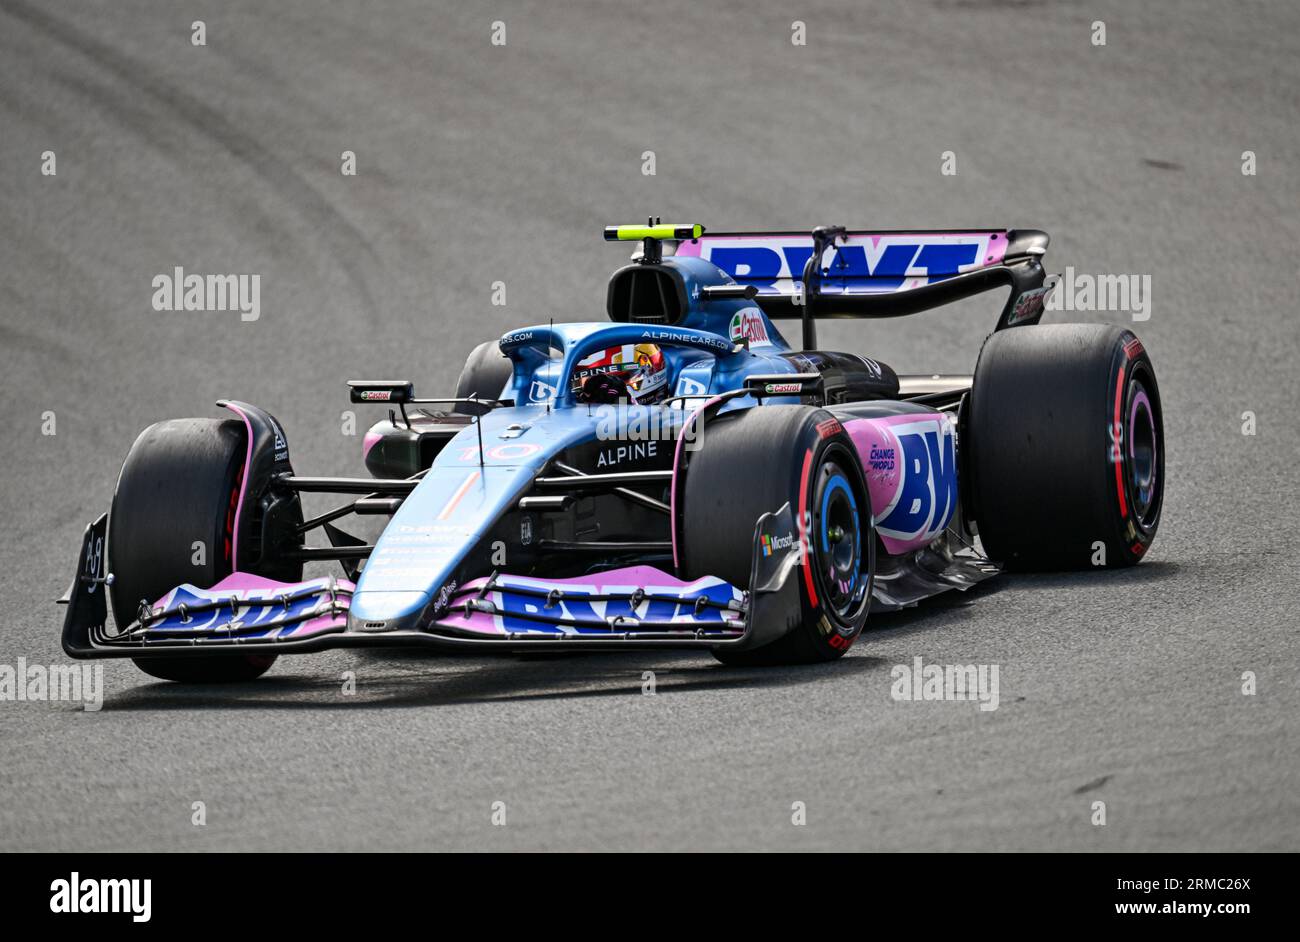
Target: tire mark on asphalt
point(344, 237)
point(1093, 785)
point(18, 342)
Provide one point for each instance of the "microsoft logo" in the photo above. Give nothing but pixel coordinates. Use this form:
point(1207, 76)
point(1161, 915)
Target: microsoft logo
point(772, 544)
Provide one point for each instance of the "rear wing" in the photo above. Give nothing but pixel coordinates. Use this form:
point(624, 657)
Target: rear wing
point(887, 273)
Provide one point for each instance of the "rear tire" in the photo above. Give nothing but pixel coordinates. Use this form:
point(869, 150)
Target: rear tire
point(752, 462)
point(179, 487)
point(486, 373)
point(1066, 442)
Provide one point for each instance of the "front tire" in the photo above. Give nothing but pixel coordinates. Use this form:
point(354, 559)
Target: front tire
point(753, 462)
point(1067, 447)
point(173, 522)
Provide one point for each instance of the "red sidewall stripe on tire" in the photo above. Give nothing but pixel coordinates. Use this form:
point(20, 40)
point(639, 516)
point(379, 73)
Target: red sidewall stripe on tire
point(803, 528)
point(1119, 433)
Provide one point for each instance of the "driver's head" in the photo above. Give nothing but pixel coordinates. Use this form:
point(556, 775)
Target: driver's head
point(638, 367)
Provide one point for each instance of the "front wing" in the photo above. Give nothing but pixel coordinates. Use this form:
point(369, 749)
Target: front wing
point(634, 606)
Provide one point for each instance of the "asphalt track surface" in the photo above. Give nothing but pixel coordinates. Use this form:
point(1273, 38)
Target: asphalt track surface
point(479, 163)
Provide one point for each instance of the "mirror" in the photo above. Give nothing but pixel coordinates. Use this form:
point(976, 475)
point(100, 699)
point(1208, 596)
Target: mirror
point(475, 407)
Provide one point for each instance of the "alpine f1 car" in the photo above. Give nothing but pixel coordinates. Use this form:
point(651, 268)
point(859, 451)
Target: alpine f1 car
point(677, 476)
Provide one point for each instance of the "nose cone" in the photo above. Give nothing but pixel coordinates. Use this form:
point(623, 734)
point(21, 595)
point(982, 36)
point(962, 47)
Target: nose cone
point(426, 544)
point(434, 538)
point(388, 611)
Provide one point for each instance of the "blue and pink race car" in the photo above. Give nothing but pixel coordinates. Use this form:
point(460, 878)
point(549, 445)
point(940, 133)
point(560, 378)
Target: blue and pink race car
point(679, 475)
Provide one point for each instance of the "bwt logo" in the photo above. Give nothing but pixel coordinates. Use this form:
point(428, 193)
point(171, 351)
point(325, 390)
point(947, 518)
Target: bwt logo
point(587, 604)
point(885, 266)
point(274, 613)
point(541, 392)
point(927, 490)
point(687, 386)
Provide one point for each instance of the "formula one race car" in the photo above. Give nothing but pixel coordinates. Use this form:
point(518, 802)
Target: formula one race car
point(679, 476)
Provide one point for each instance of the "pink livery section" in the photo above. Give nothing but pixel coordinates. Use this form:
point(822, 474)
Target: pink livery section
point(636, 597)
point(245, 607)
point(911, 470)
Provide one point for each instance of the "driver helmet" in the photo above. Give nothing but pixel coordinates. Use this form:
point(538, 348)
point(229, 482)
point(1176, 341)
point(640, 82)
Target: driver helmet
point(641, 367)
